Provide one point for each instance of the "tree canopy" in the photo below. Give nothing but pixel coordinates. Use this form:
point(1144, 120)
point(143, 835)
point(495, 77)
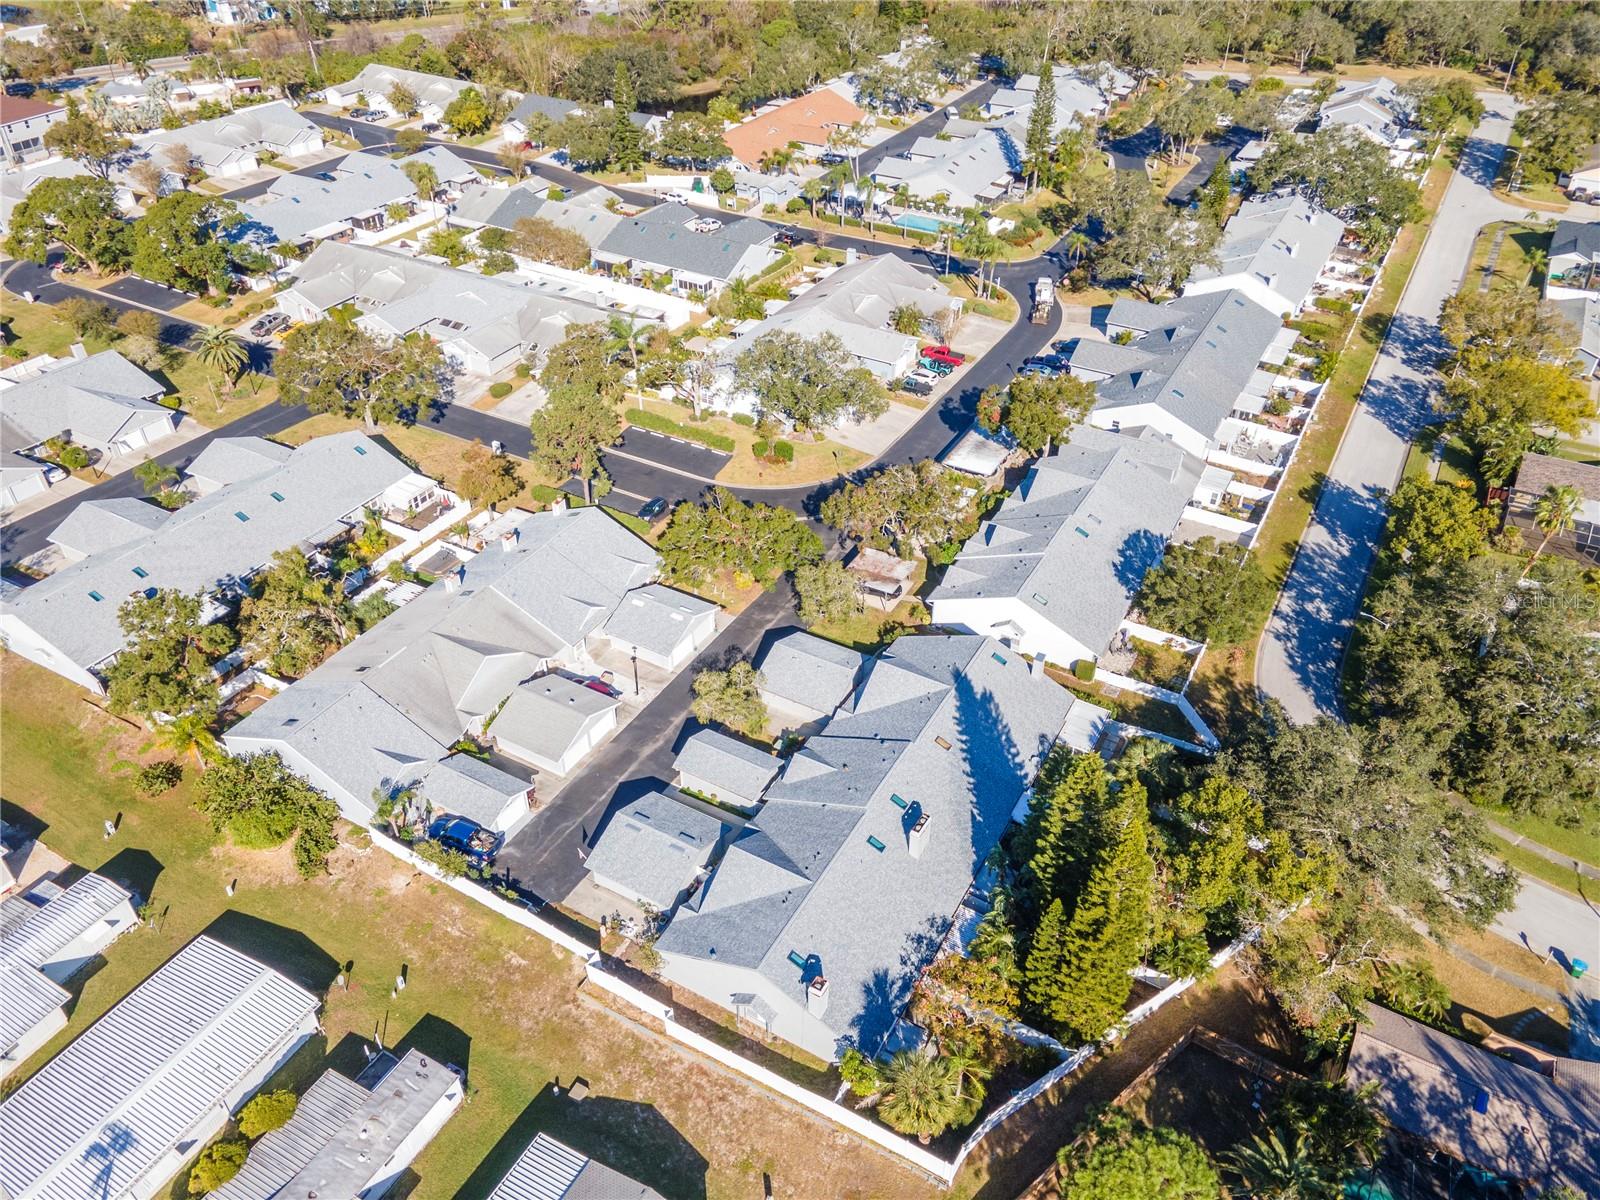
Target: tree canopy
point(165, 666)
point(911, 506)
point(78, 212)
point(1123, 1160)
point(757, 542)
point(336, 366)
point(730, 696)
point(292, 617)
point(1206, 591)
point(182, 241)
point(809, 382)
point(261, 803)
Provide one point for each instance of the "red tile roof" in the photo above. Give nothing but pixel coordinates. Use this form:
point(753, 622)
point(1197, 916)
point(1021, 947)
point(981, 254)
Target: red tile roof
point(20, 108)
point(807, 119)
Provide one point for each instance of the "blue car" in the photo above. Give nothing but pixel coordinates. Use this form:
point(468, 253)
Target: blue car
point(480, 845)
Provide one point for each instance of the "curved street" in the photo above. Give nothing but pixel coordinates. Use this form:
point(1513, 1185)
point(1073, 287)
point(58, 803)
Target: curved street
point(1301, 655)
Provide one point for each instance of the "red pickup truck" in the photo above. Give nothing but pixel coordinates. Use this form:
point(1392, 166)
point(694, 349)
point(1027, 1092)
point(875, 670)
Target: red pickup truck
point(943, 354)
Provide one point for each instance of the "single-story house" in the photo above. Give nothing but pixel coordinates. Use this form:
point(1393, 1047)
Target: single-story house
point(352, 1137)
point(589, 213)
point(1584, 182)
point(855, 304)
point(1374, 108)
point(1480, 1108)
point(806, 120)
point(388, 706)
point(1190, 362)
point(724, 768)
point(1273, 250)
point(806, 677)
point(654, 850)
point(532, 107)
point(483, 324)
point(47, 935)
point(347, 198)
point(1078, 94)
point(701, 253)
point(23, 123)
point(120, 1110)
point(1053, 571)
point(662, 626)
point(882, 579)
point(467, 786)
point(101, 402)
point(553, 722)
point(231, 145)
point(97, 526)
point(1584, 316)
point(375, 81)
point(970, 172)
point(764, 189)
point(551, 1170)
point(68, 622)
point(15, 184)
point(830, 903)
point(1536, 474)
point(1574, 270)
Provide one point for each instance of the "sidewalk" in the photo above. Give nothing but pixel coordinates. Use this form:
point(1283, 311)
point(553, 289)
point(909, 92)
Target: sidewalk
point(1584, 869)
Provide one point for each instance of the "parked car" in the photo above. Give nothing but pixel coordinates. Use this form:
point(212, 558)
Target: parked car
point(830, 158)
point(787, 237)
point(268, 325)
point(917, 387)
point(20, 87)
point(935, 365)
point(944, 354)
point(366, 114)
point(480, 845)
point(435, 127)
point(601, 686)
point(1037, 370)
point(1064, 347)
point(651, 509)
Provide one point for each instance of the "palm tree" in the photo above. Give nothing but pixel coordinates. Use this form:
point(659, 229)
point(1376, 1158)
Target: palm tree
point(425, 179)
point(812, 191)
point(867, 190)
point(776, 161)
point(224, 352)
point(1280, 1165)
point(1538, 262)
point(1554, 514)
point(835, 178)
point(921, 1093)
point(190, 733)
point(625, 333)
point(1077, 245)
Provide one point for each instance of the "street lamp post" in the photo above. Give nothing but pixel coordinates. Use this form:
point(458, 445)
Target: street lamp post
point(634, 659)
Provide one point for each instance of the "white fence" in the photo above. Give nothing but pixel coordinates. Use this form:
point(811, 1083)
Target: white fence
point(1180, 702)
point(846, 1118)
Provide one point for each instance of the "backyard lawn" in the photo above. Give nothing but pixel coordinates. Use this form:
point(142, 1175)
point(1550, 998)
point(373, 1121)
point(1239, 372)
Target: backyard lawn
point(482, 992)
point(813, 461)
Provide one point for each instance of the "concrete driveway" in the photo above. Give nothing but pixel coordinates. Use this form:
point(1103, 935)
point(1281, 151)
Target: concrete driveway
point(1302, 652)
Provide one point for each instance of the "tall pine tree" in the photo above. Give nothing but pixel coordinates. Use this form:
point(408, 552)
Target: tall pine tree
point(1068, 797)
point(1110, 924)
point(1041, 976)
point(1041, 123)
point(627, 139)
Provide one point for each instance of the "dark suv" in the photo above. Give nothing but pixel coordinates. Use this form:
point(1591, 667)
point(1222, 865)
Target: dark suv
point(480, 845)
point(917, 387)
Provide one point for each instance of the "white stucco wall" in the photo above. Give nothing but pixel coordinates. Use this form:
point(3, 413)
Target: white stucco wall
point(993, 616)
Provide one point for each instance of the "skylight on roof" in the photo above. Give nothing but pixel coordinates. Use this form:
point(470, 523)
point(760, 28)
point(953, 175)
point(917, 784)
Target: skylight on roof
point(797, 959)
point(278, 496)
point(96, 597)
point(898, 800)
point(999, 658)
point(242, 516)
point(141, 572)
point(361, 449)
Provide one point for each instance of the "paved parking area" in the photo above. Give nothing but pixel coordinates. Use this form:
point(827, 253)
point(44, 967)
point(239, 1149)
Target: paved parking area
point(672, 452)
point(142, 291)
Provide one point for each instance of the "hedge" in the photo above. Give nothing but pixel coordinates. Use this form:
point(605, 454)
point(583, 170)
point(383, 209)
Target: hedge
point(1084, 669)
point(743, 419)
point(783, 451)
point(500, 390)
point(646, 419)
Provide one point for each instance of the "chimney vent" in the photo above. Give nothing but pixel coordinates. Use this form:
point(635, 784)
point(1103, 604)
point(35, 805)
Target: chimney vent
point(817, 996)
point(917, 839)
point(508, 540)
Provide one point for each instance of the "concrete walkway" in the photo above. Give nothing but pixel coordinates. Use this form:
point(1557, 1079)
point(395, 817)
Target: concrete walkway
point(1302, 652)
point(1584, 869)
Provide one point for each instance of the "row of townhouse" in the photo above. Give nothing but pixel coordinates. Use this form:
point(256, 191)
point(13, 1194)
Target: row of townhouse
point(254, 498)
point(100, 402)
point(1174, 445)
point(140, 1092)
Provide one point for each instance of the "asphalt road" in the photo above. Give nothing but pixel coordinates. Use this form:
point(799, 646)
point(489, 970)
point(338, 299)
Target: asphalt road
point(929, 126)
point(1130, 152)
point(1209, 153)
point(1566, 927)
point(1302, 652)
point(546, 856)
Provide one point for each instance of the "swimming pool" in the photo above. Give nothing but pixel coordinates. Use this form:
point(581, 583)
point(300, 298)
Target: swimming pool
point(921, 223)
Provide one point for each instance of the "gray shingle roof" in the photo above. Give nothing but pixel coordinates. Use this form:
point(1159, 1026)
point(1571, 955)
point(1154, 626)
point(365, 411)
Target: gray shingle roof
point(380, 79)
point(743, 769)
point(344, 1131)
point(162, 1059)
point(1074, 540)
point(93, 400)
point(547, 715)
point(951, 727)
point(229, 459)
point(296, 207)
point(810, 671)
point(661, 237)
point(470, 787)
point(550, 106)
point(96, 526)
point(656, 618)
point(274, 126)
point(204, 545)
point(550, 1170)
point(1202, 351)
point(1431, 1085)
point(1576, 237)
point(655, 847)
point(392, 700)
point(1281, 241)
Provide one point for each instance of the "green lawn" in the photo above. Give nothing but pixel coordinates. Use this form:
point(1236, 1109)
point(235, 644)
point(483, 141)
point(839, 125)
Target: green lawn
point(1581, 841)
point(482, 992)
